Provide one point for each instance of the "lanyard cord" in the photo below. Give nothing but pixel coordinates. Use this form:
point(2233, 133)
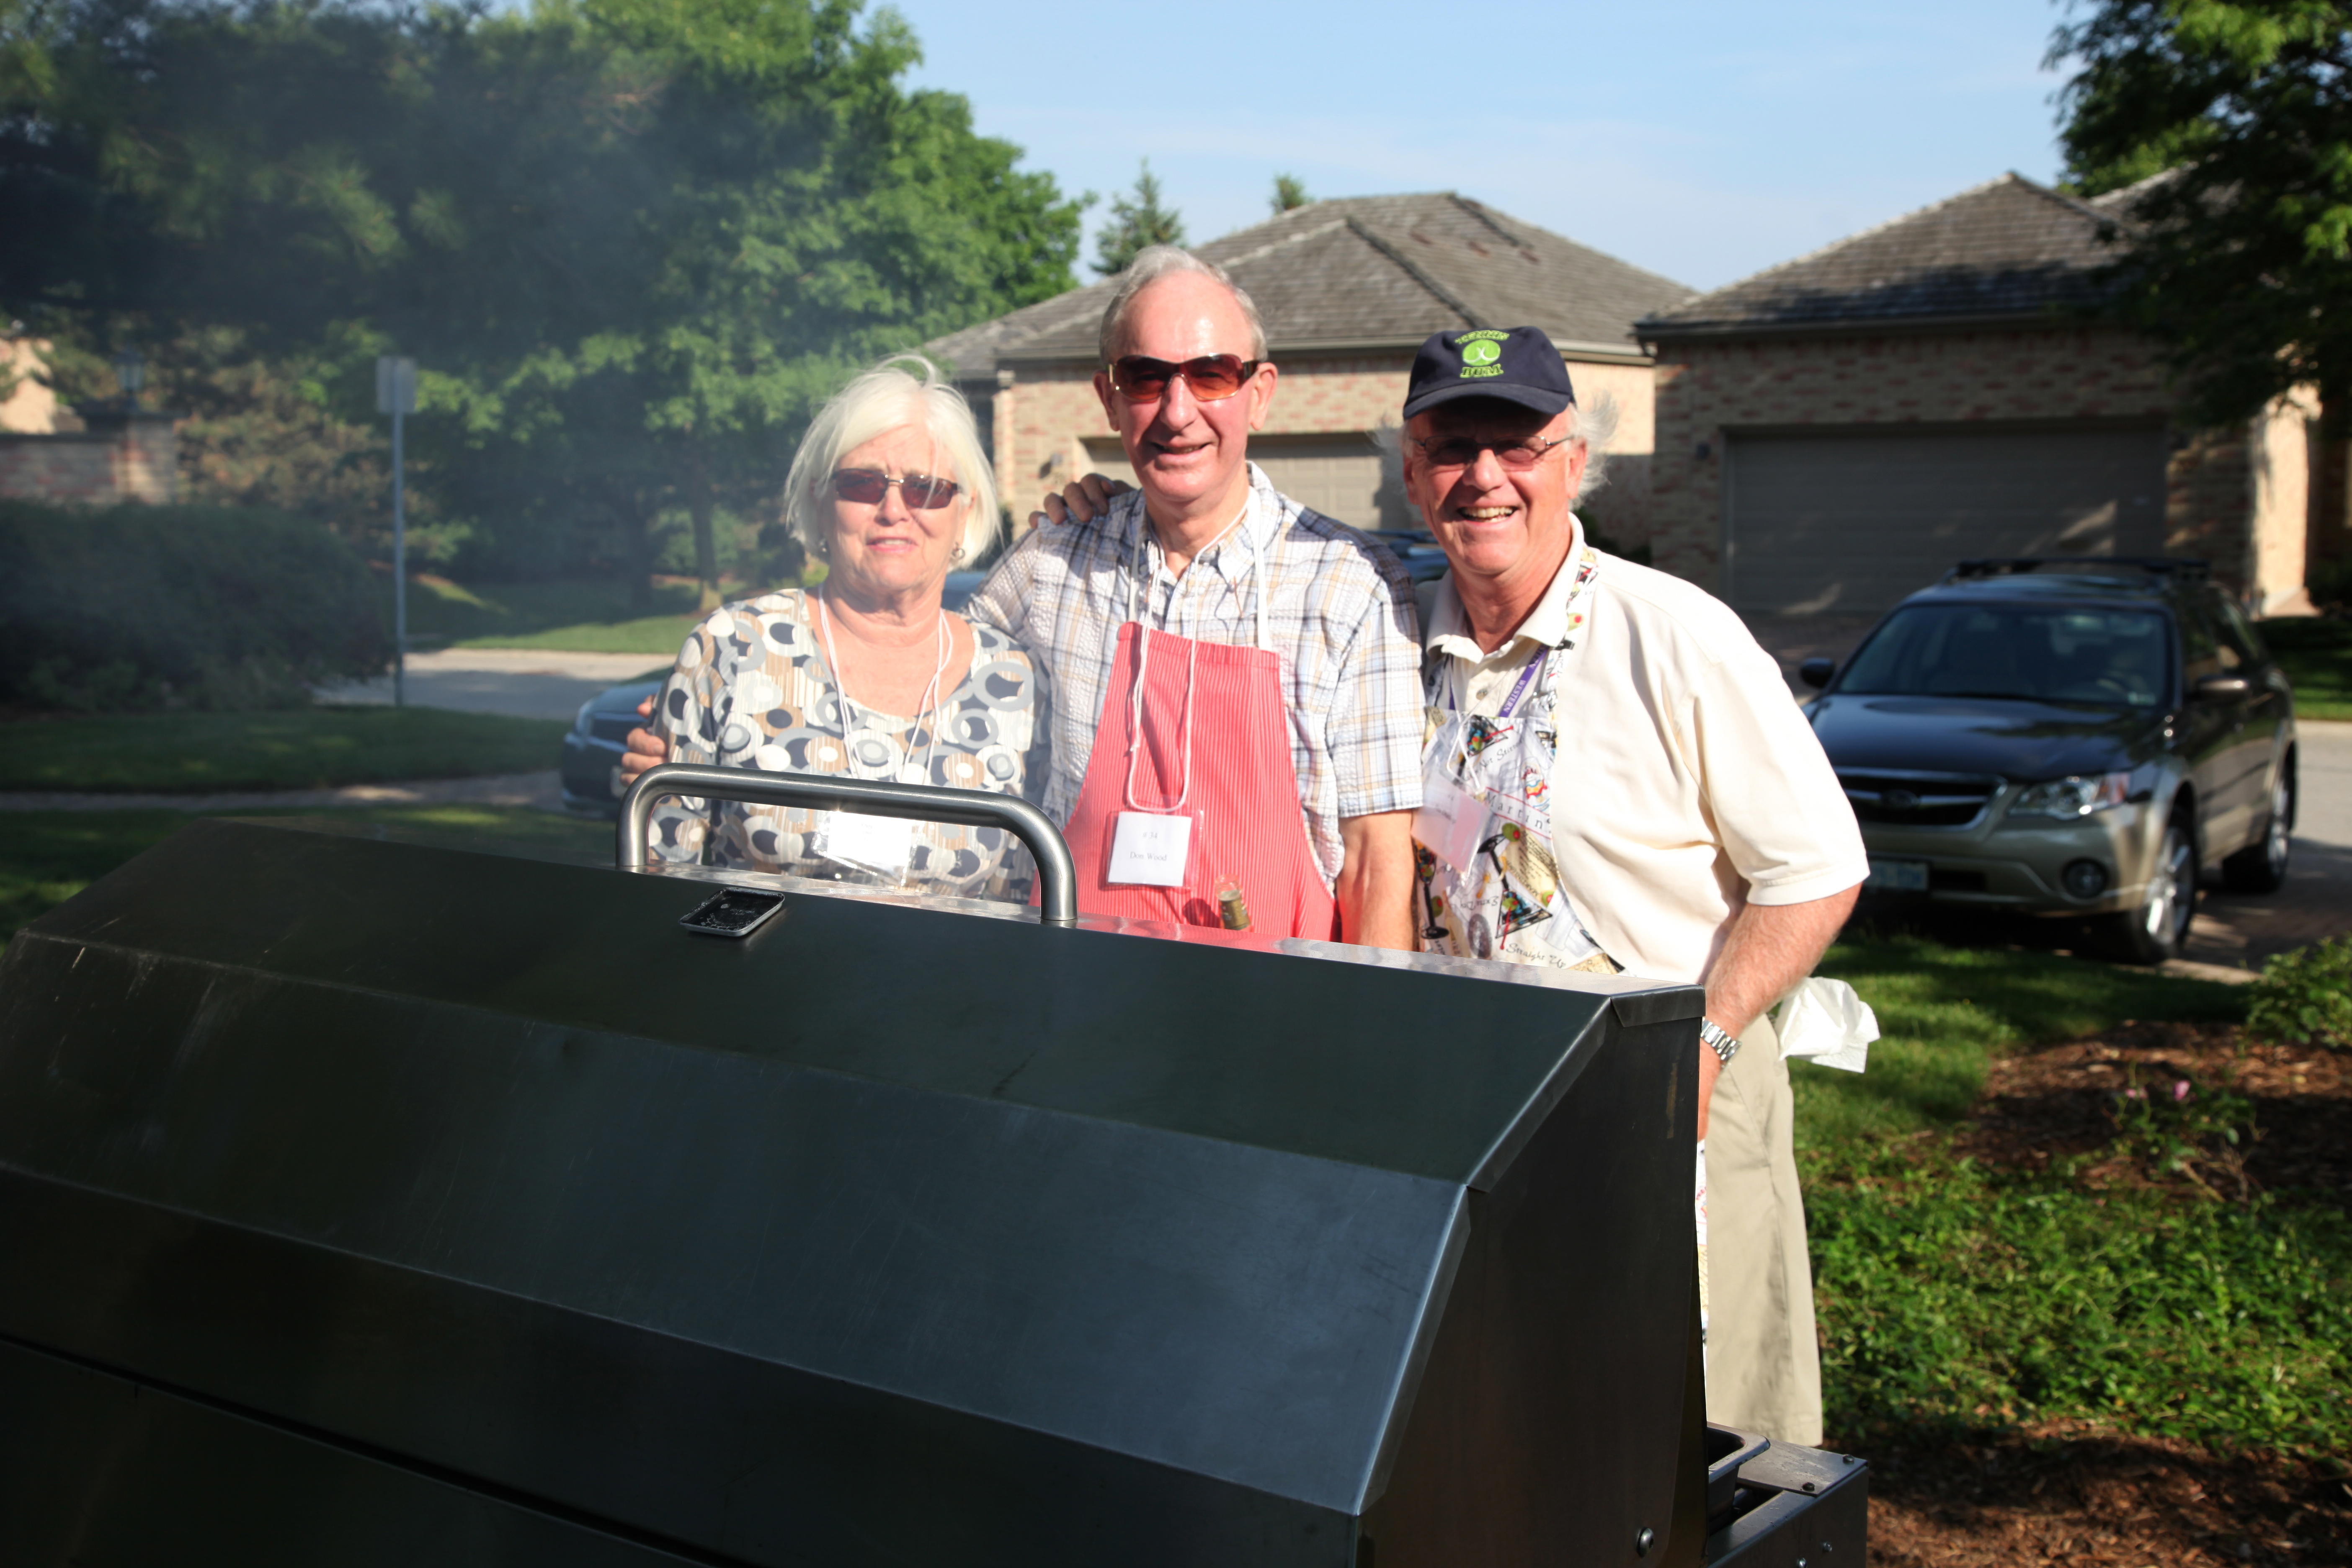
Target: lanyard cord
point(1458, 680)
point(1140, 555)
point(928, 703)
point(1517, 690)
point(1135, 718)
point(1192, 658)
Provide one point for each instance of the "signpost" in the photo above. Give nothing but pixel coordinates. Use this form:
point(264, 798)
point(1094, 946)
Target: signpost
point(395, 393)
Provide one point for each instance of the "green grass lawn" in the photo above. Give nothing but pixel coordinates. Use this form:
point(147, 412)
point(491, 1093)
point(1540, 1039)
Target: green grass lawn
point(1953, 1297)
point(47, 857)
point(2317, 658)
point(527, 614)
point(302, 748)
point(586, 617)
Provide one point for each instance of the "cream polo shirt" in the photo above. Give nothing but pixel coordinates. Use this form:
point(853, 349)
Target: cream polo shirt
point(1687, 784)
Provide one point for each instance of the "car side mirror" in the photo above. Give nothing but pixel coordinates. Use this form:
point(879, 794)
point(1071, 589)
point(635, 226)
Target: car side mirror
point(1816, 672)
point(2223, 688)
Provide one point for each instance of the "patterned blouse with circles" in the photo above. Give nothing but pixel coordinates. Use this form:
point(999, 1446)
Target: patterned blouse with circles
point(752, 689)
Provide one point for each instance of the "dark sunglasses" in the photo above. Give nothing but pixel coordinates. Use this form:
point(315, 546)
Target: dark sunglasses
point(1213, 377)
point(866, 486)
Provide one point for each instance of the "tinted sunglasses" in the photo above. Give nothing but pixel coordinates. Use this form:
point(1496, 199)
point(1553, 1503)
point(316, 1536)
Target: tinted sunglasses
point(866, 486)
point(1462, 452)
point(1213, 377)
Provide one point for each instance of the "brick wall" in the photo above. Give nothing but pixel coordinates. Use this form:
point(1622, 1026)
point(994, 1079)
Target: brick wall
point(1044, 414)
point(1707, 388)
point(116, 459)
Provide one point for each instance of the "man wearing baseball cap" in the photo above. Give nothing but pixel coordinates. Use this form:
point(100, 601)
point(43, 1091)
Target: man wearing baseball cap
point(1616, 778)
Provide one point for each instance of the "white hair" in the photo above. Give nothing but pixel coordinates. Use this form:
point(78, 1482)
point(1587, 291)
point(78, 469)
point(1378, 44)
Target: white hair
point(879, 401)
point(1154, 262)
point(1593, 427)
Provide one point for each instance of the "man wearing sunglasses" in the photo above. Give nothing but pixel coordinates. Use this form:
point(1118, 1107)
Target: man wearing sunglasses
point(1617, 778)
point(1236, 719)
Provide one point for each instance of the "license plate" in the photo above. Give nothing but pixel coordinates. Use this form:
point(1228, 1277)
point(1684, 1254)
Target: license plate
point(1897, 876)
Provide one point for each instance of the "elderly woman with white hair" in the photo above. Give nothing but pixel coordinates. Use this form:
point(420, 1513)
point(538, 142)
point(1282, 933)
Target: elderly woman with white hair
point(867, 675)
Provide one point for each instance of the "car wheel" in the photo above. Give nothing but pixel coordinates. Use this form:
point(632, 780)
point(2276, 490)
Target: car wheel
point(2260, 867)
point(2155, 931)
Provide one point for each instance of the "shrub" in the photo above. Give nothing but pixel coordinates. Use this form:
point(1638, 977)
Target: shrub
point(151, 606)
point(2306, 995)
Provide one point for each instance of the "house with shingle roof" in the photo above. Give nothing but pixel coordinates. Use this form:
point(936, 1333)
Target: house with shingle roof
point(1836, 431)
point(1348, 289)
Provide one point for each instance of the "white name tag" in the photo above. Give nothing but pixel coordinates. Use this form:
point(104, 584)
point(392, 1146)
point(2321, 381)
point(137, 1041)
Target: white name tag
point(1149, 848)
point(1450, 820)
point(881, 844)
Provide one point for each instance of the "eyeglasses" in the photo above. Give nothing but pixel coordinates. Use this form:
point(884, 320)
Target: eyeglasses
point(1213, 377)
point(866, 486)
point(1462, 452)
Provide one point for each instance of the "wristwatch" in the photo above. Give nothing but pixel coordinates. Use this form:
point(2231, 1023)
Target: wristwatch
point(1717, 1038)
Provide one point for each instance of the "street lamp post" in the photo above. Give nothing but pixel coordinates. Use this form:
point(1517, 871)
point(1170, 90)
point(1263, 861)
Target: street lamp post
point(395, 393)
point(131, 375)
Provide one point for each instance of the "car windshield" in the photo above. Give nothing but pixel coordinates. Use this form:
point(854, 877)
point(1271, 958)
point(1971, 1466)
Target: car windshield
point(2029, 652)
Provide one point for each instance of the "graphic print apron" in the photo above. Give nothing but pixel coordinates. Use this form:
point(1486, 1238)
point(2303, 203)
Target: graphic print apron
point(1191, 790)
point(1490, 885)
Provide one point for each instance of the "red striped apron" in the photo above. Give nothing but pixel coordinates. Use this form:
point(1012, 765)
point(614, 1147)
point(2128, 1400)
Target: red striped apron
point(1242, 793)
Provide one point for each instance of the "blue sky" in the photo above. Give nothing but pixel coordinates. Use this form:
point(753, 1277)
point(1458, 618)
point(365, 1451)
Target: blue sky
point(1702, 140)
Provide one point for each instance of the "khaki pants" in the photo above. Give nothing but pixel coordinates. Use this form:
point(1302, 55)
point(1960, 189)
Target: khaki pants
point(1764, 1367)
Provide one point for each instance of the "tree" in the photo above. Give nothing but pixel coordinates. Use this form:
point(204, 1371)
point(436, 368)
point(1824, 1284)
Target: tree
point(1290, 193)
point(1136, 224)
point(2236, 117)
point(634, 245)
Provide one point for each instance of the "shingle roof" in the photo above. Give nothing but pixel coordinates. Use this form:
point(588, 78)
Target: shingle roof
point(2005, 249)
point(1368, 271)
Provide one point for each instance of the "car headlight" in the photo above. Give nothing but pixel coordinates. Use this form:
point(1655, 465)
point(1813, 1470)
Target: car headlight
point(585, 722)
point(2075, 796)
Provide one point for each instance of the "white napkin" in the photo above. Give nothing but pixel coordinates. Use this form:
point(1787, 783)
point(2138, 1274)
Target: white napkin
point(1825, 1022)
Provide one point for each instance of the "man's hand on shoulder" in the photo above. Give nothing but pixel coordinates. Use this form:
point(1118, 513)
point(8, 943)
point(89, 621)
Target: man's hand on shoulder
point(1082, 500)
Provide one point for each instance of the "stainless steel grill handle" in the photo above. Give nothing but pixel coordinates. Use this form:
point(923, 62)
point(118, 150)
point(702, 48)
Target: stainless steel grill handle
point(1057, 880)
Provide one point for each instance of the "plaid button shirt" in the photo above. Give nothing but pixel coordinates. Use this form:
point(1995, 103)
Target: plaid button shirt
point(1339, 611)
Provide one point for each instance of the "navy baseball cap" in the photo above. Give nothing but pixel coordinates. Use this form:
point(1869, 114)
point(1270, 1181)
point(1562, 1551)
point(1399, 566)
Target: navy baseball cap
point(1518, 366)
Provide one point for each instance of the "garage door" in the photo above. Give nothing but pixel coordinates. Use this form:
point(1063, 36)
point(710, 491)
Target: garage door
point(1338, 476)
point(1849, 523)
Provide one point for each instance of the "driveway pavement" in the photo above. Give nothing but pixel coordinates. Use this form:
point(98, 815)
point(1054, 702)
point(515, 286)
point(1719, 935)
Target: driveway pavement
point(2242, 929)
point(527, 683)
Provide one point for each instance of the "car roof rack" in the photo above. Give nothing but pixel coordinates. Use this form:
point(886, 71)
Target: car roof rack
point(2080, 566)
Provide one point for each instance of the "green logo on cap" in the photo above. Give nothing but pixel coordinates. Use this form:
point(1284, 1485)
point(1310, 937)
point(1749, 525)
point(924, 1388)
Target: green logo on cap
point(1481, 352)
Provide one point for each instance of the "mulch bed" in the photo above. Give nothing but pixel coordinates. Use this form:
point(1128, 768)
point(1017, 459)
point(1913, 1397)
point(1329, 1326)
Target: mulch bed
point(2058, 1101)
point(2068, 1493)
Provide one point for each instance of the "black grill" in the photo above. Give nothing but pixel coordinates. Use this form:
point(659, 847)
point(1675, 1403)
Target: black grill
point(372, 1203)
point(1919, 799)
point(613, 728)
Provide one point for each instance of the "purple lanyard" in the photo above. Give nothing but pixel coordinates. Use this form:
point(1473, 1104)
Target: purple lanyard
point(1517, 690)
